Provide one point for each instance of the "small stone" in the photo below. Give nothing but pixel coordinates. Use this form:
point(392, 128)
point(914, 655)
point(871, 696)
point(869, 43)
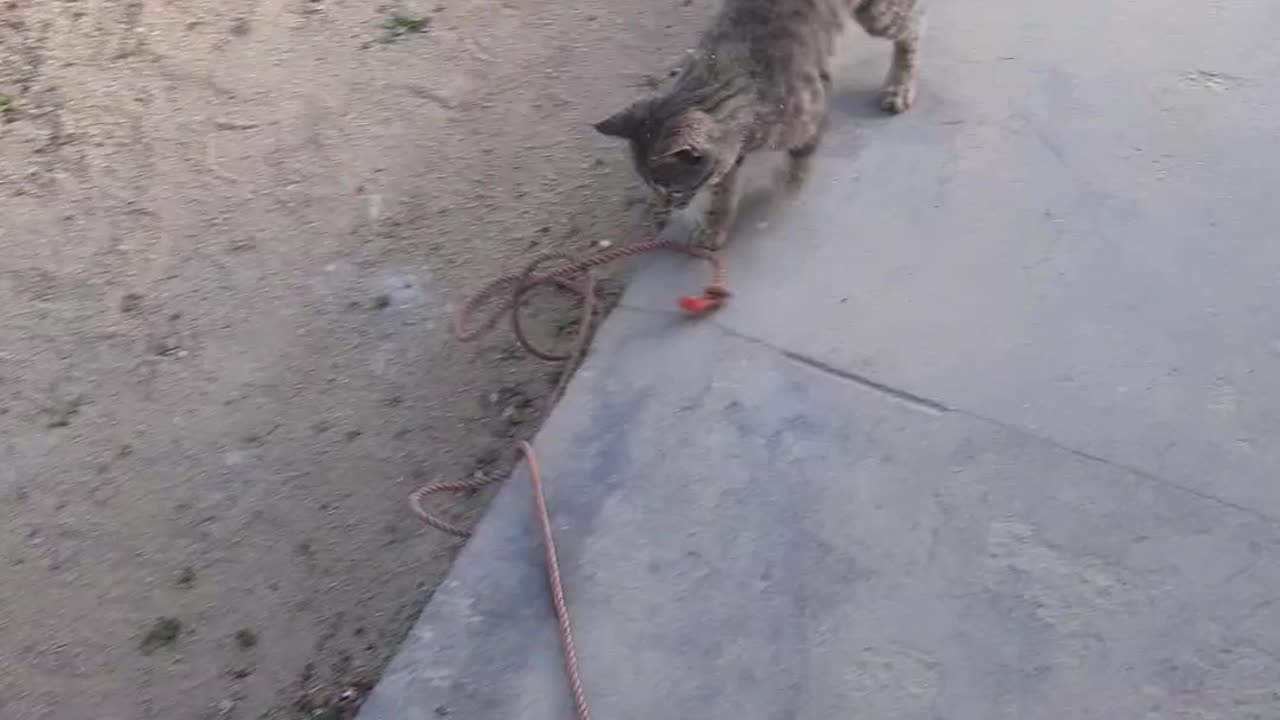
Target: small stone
point(246, 638)
point(164, 633)
point(131, 302)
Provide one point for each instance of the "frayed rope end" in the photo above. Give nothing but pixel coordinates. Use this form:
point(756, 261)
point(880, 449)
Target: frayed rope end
point(710, 299)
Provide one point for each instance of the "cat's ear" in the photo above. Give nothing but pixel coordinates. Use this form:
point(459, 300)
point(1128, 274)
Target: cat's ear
point(623, 124)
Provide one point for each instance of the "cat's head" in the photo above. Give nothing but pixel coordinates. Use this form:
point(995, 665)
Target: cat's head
point(676, 153)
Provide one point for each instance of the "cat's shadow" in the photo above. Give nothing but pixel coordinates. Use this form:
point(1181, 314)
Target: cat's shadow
point(776, 179)
point(771, 179)
point(857, 104)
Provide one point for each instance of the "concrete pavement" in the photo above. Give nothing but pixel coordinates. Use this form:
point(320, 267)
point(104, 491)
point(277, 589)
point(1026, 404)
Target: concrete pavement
point(987, 431)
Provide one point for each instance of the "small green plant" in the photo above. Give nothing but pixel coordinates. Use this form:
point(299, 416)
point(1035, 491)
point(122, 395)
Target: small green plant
point(8, 108)
point(399, 26)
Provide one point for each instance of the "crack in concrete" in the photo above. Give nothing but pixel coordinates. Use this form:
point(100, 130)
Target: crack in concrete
point(918, 402)
point(911, 399)
point(938, 407)
point(1125, 467)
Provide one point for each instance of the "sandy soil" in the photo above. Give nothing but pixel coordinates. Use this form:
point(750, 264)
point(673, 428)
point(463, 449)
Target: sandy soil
point(231, 234)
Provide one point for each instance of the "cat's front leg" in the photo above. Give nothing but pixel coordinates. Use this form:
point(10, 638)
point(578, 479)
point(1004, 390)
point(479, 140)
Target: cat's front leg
point(899, 92)
point(903, 22)
point(723, 210)
point(661, 208)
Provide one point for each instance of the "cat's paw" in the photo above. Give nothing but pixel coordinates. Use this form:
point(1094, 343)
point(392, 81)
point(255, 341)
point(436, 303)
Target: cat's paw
point(710, 238)
point(659, 213)
point(660, 220)
point(792, 176)
point(897, 97)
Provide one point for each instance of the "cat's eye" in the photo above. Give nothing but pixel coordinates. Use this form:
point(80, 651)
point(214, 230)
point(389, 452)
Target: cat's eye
point(688, 157)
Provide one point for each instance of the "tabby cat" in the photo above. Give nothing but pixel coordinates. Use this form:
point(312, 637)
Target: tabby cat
point(759, 80)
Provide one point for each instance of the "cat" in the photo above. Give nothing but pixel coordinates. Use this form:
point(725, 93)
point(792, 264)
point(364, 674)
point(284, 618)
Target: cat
point(759, 80)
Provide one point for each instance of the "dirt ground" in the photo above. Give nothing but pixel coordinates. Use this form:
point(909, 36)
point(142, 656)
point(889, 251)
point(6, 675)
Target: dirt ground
point(232, 233)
